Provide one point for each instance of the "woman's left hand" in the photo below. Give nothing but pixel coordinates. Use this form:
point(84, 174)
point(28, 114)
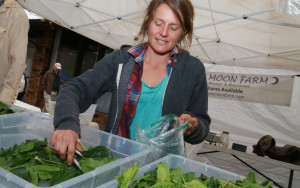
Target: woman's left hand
point(193, 123)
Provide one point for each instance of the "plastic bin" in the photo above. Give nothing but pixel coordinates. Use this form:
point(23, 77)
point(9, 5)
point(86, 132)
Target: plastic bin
point(187, 165)
point(39, 125)
point(16, 109)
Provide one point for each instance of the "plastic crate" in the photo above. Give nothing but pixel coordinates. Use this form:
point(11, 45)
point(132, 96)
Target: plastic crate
point(39, 125)
point(187, 165)
point(15, 108)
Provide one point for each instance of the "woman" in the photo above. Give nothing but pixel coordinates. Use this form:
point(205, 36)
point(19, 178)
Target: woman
point(148, 81)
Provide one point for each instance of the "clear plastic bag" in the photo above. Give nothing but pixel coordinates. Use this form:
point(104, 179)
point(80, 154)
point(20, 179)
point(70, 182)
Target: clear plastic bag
point(289, 6)
point(165, 135)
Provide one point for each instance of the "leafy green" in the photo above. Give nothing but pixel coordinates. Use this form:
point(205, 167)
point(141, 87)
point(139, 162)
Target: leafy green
point(163, 173)
point(162, 177)
point(125, 178)
point(89, 164)
point(33, 160)
point(176, 175)
point(98, 153)
point(66, 173)
point(195, 184)
point(4, 109)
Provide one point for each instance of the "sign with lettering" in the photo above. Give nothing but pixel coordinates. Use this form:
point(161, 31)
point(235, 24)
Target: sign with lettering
point(266, 89)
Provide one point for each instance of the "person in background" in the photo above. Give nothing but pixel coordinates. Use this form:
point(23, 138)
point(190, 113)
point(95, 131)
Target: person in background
point(152, 79)
point(23, 86)
point(14, 27)
point(51, 85)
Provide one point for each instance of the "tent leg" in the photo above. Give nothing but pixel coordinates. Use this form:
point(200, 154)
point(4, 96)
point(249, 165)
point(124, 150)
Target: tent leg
point(257, 171)
point(291, 178)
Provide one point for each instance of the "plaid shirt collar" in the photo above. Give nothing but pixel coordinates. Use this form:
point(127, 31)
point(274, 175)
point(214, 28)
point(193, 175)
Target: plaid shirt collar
point(139, 50)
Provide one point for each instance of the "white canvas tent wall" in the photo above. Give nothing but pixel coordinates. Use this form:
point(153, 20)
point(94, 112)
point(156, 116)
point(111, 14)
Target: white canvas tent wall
point(248, 36)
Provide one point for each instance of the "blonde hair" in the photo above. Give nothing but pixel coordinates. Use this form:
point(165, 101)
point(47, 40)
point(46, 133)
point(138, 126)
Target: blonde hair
point(178, 7)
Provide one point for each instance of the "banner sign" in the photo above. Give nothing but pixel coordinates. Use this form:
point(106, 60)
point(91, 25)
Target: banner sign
point(266, 89)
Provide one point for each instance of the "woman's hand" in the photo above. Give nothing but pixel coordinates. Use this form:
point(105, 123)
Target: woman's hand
point(193, 123)
point(65, 141)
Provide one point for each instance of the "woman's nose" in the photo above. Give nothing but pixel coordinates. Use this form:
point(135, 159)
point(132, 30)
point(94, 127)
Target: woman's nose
point(164, 31)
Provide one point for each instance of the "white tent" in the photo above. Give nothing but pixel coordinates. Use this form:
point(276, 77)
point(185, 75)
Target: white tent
point(244, 37)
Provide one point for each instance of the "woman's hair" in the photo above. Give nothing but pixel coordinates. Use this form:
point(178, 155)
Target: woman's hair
point(178, 7)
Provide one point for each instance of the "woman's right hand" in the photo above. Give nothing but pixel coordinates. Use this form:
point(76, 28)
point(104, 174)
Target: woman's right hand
point(65, 141)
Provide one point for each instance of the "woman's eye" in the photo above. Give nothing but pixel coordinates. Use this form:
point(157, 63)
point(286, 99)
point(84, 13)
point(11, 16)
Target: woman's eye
point(174, 28)
point(157, 23)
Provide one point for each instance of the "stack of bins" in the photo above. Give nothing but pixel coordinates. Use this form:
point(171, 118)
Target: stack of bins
point(186, 165)
point(15, 129)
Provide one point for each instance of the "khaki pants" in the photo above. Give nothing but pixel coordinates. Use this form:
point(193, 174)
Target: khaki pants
point(47, 99)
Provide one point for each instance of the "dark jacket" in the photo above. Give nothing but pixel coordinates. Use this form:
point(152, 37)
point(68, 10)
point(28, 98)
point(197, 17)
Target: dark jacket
point(186, 91)
point(48, 79)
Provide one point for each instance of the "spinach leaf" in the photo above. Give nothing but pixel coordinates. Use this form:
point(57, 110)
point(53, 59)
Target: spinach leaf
point(163, 173)
point(125, 178)
point(213, 183)
point(195, 184)
point(39, 161)
point(163, 184)
point(98, 153)
point(89, 164)
point(176, 176)
point(4, 109)
point(144, 181)
point(189, 176)
point(66, 173)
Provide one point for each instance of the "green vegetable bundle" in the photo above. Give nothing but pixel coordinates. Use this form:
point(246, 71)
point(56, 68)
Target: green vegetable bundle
point(4, 109)
point(162, 177)
point(33, 161)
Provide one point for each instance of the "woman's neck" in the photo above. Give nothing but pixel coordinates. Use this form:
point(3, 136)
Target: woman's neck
point(150, 57)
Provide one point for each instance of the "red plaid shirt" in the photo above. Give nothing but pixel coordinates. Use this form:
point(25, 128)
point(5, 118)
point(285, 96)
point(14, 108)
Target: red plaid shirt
point(135, 86)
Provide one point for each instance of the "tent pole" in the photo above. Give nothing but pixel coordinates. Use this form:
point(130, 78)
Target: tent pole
point(257, 171)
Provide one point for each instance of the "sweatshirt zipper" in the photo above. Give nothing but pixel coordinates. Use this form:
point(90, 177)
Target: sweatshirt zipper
point(165, 90)
point(117, 80)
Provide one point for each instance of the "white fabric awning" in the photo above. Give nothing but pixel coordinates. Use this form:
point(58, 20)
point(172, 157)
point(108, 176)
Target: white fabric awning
point(32, 16)
point(249, 33)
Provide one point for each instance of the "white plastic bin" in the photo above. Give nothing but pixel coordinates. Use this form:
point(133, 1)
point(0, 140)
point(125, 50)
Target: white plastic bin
point(39, 125)
point(187, 165)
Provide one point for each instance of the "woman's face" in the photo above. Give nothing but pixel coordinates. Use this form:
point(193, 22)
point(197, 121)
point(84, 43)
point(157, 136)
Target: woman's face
point(164, 30)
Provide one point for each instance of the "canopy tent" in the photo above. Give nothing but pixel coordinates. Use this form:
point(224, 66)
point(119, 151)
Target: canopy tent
point(226, 32)
point(245, 37)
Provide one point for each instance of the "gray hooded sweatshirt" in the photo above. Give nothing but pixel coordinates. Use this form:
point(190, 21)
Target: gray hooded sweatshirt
point(186, 92)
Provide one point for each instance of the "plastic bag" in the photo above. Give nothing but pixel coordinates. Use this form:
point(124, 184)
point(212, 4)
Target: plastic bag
point(165, 135)
point(289, 6)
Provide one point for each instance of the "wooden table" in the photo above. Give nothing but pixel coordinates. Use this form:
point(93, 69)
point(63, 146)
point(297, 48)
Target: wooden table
point(253, 156)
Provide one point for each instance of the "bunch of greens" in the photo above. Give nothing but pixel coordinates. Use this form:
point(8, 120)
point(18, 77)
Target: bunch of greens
point(162, 177)
point(4, 109)
point(33, 161)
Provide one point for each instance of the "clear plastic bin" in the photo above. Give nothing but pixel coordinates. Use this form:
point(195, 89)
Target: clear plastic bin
point(187, 165)
point(39, 125)
point(15, 108)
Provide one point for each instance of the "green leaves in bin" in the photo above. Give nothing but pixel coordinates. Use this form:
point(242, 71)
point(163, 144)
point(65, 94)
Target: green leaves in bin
point(125, 178)
point(98, 153)
point(163, 177)
point(34, 160)
point(89, 164)
point(65, 174)
point(163, 173)
point(4, 109)
point(251, 181)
